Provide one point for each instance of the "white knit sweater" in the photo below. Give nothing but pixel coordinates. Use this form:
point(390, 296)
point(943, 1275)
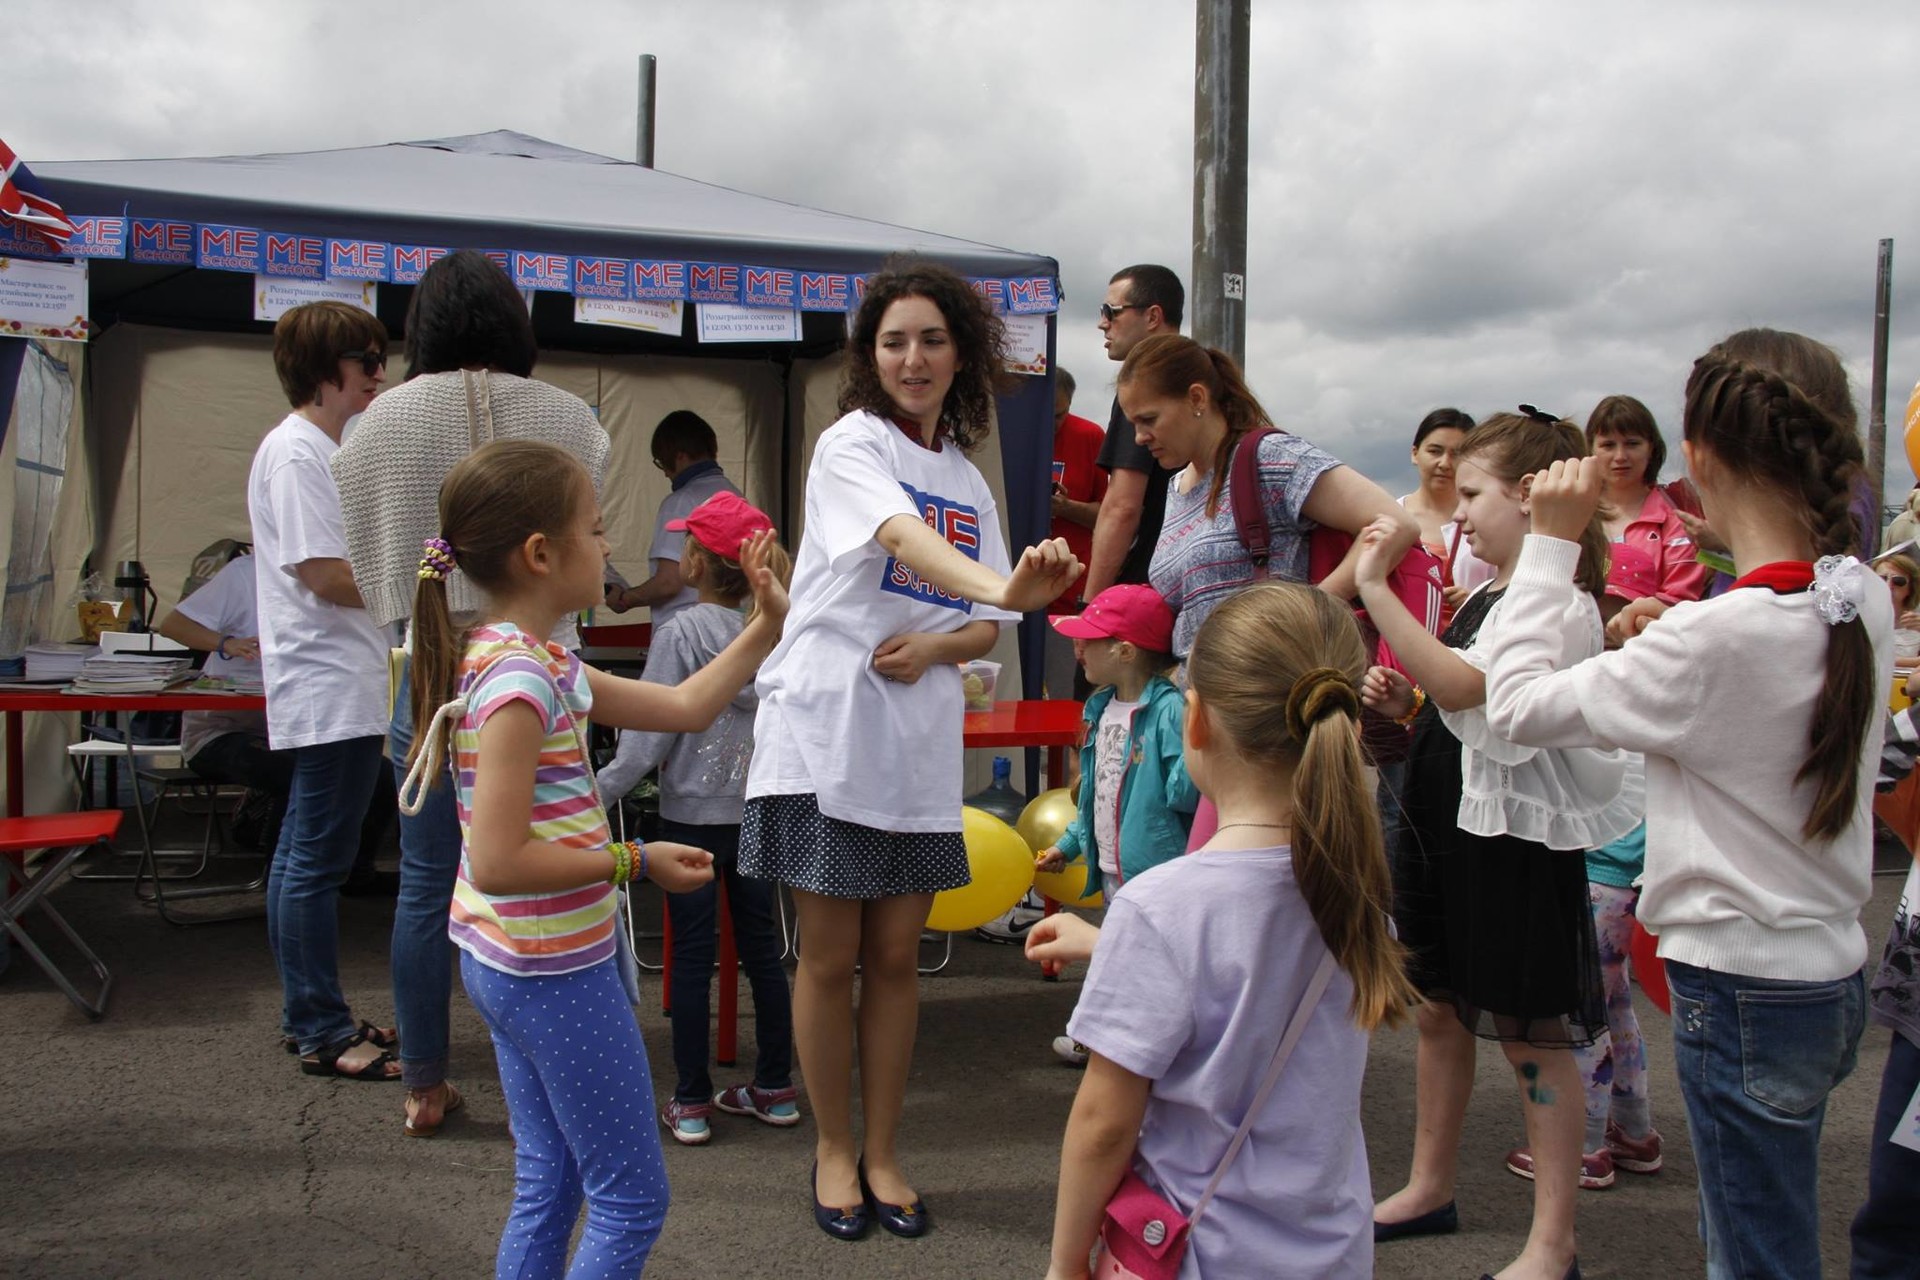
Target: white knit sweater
point(1719, 695)
point(390, 468)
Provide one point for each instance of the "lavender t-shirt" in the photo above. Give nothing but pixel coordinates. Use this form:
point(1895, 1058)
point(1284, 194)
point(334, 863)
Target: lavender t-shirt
point(1201, 964)
point(1200, 561)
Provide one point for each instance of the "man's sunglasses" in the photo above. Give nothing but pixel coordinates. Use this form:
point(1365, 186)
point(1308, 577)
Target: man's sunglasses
point(1110, 313)
point(371, 362)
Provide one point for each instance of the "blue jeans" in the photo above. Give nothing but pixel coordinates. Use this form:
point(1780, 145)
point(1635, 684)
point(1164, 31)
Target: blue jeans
point(1757, 1058)
point(1886, 1232)
point(574, 1072)
point(422, 955)
point(757, 939)
point(332, 782)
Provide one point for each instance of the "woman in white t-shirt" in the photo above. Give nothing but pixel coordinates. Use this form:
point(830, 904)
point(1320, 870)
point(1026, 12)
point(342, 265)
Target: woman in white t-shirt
point(853, 797)
point(325, 669)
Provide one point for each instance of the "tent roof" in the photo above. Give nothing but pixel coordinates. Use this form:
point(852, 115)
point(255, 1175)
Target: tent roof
point(506, 190)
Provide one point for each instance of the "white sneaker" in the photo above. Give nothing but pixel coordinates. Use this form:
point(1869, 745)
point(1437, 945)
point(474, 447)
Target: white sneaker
point(1070, 1051)
point(1011, 927)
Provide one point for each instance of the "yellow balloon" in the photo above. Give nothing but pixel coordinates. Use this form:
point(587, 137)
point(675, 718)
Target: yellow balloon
point(1913, 429)
point(1046, 818)
point(1074, 885)
point(1002, 870)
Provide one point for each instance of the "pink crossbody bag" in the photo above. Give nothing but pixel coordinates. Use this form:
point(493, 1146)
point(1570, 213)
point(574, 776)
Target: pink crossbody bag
point(1143, 1236)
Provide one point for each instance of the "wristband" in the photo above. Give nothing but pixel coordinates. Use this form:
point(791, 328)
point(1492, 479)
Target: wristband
point(221, 648)
point(622, 863)
point(1419, 701)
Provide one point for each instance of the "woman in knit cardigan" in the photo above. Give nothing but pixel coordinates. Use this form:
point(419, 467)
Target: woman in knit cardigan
point(470, 351)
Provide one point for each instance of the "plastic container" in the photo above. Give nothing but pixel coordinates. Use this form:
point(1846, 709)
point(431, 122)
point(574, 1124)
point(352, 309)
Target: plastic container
point(999, 798)
point(977, 681)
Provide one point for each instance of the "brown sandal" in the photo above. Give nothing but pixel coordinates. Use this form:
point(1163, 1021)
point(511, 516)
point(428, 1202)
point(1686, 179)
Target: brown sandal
point(451, 1102)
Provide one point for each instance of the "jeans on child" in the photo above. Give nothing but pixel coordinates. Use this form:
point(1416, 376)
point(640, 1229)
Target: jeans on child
point(1757, 1058)
point(574, 1071)
point(756, 937)
point(318, 840)
point(422, 955)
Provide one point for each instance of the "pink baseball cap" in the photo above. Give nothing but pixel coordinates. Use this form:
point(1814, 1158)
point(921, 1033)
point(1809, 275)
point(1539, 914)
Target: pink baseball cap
point(1131, 612)
point(722, 523)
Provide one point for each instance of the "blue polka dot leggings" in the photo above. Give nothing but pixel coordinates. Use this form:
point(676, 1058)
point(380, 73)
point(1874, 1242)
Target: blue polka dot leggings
point(574, 1071)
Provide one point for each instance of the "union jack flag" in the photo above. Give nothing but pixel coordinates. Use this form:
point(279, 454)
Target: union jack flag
point(25, 203)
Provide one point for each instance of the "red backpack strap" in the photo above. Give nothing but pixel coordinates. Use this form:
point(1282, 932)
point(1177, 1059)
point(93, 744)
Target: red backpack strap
point(1243, 490)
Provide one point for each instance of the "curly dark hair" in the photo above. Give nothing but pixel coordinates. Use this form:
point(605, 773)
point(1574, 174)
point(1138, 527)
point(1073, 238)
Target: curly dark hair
point(466, 313)
point(979, 340)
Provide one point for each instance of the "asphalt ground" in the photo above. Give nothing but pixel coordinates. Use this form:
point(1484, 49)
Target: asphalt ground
point(176, 1138)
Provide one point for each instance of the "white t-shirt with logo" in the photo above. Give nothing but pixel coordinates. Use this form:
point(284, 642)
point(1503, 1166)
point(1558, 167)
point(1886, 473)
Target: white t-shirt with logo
point(325, 665)
point(874, 752)
point(1109, 767)
point(224, 605)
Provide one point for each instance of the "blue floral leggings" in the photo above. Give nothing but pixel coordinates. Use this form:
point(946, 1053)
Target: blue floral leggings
point(1615, 1065)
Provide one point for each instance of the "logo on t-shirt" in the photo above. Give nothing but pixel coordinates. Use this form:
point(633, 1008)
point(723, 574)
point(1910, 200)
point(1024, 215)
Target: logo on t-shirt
point(959, 524)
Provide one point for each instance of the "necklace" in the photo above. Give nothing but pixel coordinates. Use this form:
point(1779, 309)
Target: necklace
point(1228, 826)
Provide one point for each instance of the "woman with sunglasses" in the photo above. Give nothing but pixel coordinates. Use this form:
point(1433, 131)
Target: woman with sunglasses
point(470, 355)
point(1900, 572)
point(323, 662)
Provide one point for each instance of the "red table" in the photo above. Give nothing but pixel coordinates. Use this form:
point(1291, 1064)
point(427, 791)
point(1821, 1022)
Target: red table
point(1054, 723)
point(17, 702)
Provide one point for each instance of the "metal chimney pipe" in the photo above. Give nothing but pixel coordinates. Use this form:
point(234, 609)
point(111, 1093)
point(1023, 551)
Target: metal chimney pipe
point(643, 141)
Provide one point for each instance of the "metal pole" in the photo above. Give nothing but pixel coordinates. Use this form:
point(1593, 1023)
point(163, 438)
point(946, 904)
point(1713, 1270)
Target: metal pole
point(643, 137)
point(1219, 297)
point(1877, 398)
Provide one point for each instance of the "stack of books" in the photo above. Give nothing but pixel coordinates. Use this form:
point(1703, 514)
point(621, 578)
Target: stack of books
point(131, 672)
point(54, 663)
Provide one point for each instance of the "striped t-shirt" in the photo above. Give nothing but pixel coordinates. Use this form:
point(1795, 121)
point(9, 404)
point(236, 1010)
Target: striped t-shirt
point(532, 933)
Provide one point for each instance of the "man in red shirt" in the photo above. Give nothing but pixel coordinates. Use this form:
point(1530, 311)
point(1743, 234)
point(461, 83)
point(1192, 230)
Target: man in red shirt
point(1079, 483)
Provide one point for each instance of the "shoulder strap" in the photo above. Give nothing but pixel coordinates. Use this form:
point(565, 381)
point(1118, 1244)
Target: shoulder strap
point(1243, 489)
point(1316, 987)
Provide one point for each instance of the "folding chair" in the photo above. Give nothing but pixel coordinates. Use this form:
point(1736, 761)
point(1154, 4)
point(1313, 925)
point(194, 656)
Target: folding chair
point(85, 753)
point(66, 836)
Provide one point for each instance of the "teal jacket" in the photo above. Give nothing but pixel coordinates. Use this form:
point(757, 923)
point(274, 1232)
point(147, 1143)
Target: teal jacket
point(1157, 798)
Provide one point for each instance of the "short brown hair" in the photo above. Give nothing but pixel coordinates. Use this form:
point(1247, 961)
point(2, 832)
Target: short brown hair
point(309, 341)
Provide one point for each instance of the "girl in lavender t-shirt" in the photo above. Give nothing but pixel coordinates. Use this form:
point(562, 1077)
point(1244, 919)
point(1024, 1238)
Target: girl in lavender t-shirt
point(1205, 959)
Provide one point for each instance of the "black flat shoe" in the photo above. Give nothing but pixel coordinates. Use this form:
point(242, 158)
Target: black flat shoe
point(909, 1220)
point(1443, 1221)
point(841, 1224)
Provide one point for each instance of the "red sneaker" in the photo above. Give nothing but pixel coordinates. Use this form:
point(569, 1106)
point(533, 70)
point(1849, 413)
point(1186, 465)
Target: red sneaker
point(1596, 1167)
point(1635, 1155)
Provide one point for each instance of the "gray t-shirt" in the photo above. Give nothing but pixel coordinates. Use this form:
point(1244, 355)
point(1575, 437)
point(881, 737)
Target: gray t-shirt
point(1200, 966)
point(668, 544)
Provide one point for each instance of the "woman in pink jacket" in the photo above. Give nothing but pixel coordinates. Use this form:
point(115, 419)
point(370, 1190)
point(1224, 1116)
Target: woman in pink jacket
point(1652, 556)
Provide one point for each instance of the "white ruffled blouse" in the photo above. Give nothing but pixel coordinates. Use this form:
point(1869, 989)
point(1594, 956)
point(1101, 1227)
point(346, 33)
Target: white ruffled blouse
point(1561, 797)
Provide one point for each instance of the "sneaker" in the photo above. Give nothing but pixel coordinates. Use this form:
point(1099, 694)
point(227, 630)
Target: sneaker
point(777, 1107)
point(1635, 1155)
point(1011, 927)
point(687, 1122)
point(1596, 1167)
point(1070, 1051)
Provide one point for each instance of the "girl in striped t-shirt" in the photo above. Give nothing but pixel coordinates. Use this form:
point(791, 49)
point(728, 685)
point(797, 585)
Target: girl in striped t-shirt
point(533, 907)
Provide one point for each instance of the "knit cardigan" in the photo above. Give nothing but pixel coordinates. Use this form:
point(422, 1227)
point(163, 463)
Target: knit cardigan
point(391, 466)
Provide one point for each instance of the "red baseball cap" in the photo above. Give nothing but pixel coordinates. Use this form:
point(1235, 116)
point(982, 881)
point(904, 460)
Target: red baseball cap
point(722, 523)
point(1131, 612)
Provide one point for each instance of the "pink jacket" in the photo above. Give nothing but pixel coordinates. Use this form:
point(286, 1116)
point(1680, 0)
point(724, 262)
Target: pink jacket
point(1655, 557)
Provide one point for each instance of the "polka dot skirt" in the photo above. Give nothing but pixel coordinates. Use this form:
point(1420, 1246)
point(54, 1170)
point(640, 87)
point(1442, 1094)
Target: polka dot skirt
point(788, 839)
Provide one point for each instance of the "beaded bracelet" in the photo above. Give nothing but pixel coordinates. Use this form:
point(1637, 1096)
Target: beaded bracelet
point(1419, 701)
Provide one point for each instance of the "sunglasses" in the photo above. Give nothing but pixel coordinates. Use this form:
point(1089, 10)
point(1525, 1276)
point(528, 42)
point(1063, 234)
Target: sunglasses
point(1896, 579)
point(1110, 313)
point(1539, 415)
point(371, 362)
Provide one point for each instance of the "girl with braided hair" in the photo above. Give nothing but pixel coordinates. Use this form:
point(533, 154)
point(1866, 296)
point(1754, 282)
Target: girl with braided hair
point(1183, 1023)
point(1753, 710)
point(1491, 896)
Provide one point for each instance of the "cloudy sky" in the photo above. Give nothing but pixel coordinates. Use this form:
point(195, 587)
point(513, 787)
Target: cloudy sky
point(1451, 202)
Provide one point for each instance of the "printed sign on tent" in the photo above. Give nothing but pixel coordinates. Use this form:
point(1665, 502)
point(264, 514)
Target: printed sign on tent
point(647, 317)
point(43, 299)
point(274, 296)
point(1026, 343)
point(720, 322)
